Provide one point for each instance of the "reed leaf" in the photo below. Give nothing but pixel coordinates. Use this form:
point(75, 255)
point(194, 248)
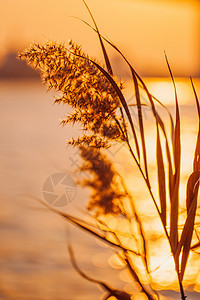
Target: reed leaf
point(176, 143)
point(160, 123)
point(196, 161)
point(161, 179)
point(136, 217)
point(140, 85)
point(186, 236)
point(117, 233)
point(144, 242)
point(192, 188)
point(107, 61)
point(195, 246)
point(141, 126)
point(120, 295)
point(132, 270)
point(82, 225)
point(143, 86)
point(168, 155)
point(108, 65)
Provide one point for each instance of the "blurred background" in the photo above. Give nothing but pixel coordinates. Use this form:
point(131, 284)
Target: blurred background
point(33, 253)
point(143, 30)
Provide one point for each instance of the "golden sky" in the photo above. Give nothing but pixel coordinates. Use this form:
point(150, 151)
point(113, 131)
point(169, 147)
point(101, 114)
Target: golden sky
point(142, 29)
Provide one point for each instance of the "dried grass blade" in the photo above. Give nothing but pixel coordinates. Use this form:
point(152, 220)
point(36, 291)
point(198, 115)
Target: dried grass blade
point(150, 97)
point(144, 244)
point(142, 83)
point(161, 180)
point(141, 126)
point(141, 232)
point(196, 162)
point(176, 143)
point(81, 273)
point(196, 97)
point(168, 154)
point(192, 188)
point(161, 124)
point(86, 228)
point(186, 236)
point(107, 61)
point(165, 107)
point(197, 245)
point(116, 233)
point(170, 117)
point(121, 295)
point(81, 224)
point(134, 72)
point(138, 221)
point(187, 244)
point(130, 267)
point(143, 86)
point(186, 229)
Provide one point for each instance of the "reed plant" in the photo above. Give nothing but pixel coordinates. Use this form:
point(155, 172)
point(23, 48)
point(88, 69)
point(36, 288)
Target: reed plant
point(100, 107)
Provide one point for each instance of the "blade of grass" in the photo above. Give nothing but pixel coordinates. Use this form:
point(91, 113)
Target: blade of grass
point(141, 231)
point(138, 221)
point(143, 239)
point(196, 97)
point(196, 162)
point(130, 266)
point(158, 121)
point(80, 223)
point(161, 180)
point(168, 154)
point(107, 61)
point(159, 149)
point(108, 65)
point(192, 188)
point(121, 295)
point(141, 126)
point(142, 85)
point(186, 236)
point(108, 230)
point(197, 245)
point(192, 193)
point(176, 143)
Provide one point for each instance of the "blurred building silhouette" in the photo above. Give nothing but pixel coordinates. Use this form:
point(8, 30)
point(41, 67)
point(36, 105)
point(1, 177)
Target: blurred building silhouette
point(12, 68)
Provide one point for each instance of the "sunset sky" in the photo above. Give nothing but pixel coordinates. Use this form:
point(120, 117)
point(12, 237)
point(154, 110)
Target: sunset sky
point(142, 29)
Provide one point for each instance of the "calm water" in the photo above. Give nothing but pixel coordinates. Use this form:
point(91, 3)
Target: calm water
point(33, 253)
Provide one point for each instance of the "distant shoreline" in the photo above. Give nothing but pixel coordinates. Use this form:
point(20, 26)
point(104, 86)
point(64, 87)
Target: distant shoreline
point(13, 68)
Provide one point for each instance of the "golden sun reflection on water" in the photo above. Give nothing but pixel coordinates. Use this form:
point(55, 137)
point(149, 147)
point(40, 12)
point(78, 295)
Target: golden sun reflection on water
point(33, 248)
point(160, 259)
point(163, 89)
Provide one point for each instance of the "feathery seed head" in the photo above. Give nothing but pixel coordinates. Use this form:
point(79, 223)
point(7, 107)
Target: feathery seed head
point(83, 86)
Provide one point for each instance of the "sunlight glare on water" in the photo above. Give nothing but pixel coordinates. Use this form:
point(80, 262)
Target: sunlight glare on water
point(161, 262)
point(33, 147)
point(163, 89)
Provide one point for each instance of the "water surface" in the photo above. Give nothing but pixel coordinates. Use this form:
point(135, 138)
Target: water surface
point(33, 253)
